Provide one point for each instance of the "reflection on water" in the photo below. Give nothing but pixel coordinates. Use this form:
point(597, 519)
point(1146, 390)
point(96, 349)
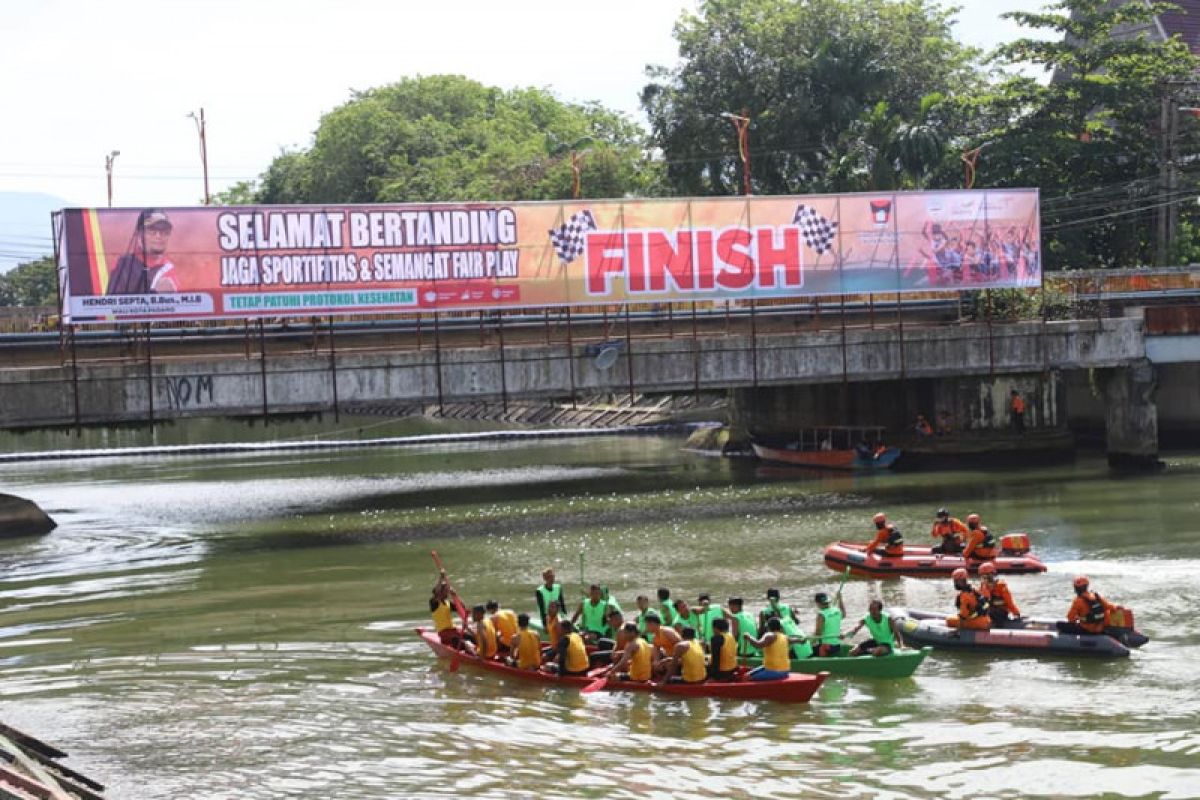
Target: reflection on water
point(241, 626)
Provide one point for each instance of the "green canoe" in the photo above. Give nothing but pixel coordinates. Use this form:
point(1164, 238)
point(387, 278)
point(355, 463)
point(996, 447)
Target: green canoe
point(901, 664)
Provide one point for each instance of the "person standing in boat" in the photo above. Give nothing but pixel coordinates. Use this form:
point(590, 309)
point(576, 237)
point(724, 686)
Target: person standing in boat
point(980, 543)
point(526, 646)
point(972, 606)
point(828, 631)
point(666, 609)
point(1089, 612)
point(1001, 607)
point(571, 656)
point(885, 633)
point(781, 610)
point(888, 541)
point(707, 614)
point(549, 592)
point(951, 531)
point(743, 625)
point(594, 611)
point(443, 614)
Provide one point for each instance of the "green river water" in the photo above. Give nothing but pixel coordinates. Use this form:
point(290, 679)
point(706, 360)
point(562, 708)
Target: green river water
point(241, 626)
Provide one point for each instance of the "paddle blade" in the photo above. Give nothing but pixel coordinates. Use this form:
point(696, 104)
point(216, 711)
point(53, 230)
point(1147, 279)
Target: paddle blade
point(595, 685)
point(454, 663)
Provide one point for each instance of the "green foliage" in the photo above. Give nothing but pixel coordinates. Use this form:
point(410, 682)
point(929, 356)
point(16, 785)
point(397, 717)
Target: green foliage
point(1091, 137)
point(843, 94)
point(34, 283)
point(445, 137)
point(1012, 305)
point(242, 193)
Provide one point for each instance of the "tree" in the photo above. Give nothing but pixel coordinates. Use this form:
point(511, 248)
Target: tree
point(836, 89)
point(1091, 138)
point(445, 137)
point(33, 283)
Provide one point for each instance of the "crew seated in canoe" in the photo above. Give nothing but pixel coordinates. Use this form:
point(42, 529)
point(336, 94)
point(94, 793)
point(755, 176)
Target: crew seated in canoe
point(774, 645)
point(685, 615)
point(504, 621)
point(743, 623)
point(487, 644)
point(775, 608)
point(828, 631)
point(972, 606)
point(570, 657)
point(687, 660)
point(724, 652)
point(800, 647)
point(888, 540)
point(616, 622)
point(526, 646)
point(1001, 607)
point(636, 662)
point(885, 633)
point(664, 639)
point(443, 614)
point(708, 613)
point(1089, 612)
point(666, 608)
point(951, 531)
point(980, 543)
point(594, 611)
point(643, 607)
point(553, 624)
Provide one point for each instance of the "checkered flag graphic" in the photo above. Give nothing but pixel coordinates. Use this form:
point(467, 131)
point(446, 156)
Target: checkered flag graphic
point(818, 232)
point(568, 237)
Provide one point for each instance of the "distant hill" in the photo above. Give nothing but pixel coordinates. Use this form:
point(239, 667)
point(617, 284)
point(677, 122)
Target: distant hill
point(25, 226)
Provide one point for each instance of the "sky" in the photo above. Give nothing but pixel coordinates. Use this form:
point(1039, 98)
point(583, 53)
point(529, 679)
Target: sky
point(80, 79)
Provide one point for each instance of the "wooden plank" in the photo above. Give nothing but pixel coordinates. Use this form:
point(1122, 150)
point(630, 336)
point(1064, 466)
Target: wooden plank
point(30, 742)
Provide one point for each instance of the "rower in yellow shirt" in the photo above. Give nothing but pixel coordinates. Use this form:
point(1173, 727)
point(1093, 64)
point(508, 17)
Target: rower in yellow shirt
point(504, 620)
point(526, 646)
point(636, 659)
point(774, 645)
point(688, 664)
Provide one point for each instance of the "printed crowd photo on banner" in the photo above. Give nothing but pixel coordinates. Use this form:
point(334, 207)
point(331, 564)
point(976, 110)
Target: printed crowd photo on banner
point(279, 261)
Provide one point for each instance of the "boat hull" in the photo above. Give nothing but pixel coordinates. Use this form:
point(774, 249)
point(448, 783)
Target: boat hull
point(926, 628)
point(795, 688)
point(900, 664)
point(918, 562)
point(826, 459)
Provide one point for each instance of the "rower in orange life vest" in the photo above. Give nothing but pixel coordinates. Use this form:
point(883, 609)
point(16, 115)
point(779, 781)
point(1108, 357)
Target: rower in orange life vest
point(951, 531)
point(980, 544)
point(505, 622)
point(664, 639)
point(888, 540)
point(443, 615)
point(526, 646)
point(1089, 611)
point(972, 606)
point(1001, 607)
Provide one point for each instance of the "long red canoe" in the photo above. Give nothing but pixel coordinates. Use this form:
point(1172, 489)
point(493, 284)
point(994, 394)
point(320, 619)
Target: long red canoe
point(918, 562)
point(795, 688)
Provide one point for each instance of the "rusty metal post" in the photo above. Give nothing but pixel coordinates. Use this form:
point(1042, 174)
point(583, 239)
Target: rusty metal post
point(900, 333)
point(503, 365)
point(695, 353)
point(987, 301)
point(571, 359)
point(482, 336)
point(75, 380)
point(753, 346)
point(437, 360)
point(547, 317)
point(262, 366)
point(845, 358)
point(418, 331)
point(670, 320)
point(149, 374)
point(337, 413)
point(629, 352)
point(871, 309)
point(246, 335)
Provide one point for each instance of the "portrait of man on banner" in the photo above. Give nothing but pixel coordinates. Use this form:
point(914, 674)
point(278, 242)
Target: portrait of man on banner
point(145, 268)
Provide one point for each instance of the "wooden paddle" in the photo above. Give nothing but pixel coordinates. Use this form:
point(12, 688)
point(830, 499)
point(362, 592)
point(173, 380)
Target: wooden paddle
point(597, 684)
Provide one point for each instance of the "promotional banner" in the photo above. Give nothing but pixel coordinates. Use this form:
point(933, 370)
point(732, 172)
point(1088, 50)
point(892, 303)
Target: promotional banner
point(306, 261)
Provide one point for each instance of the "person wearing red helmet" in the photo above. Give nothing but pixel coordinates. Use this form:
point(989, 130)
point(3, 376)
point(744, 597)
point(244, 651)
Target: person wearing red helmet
point(1089, 611)
point(951, 531)
point(972, 606)
point(980, 542)
point(1001, 607)
point(888, 540)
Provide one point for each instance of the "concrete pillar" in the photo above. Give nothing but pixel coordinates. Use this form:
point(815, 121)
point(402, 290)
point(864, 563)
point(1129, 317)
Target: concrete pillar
point(1131, 417)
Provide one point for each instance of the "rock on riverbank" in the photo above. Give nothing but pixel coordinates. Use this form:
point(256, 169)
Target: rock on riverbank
point(21, 517)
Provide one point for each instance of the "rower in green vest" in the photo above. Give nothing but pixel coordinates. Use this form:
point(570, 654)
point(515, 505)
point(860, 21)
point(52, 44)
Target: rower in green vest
point(828, 632)
point(744, 623)
point(666, 609)
point(708, 614)
point(643, 607)
point(594, 610)
point(782, 610)
point(547, 593)
point(801, 647)
point(885, 633)
point(686, 616)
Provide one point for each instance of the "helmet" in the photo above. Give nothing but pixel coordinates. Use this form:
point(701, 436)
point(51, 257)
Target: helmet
point(943, 512)
point(880, 518)
point(1081, 582)
point(972, 519)
point(987, 568)
point(959, 574)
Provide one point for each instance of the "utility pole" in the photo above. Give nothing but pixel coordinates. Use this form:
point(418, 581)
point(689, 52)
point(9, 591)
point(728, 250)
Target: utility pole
point(108, 170)
point(1166, 172)
point(200, 128)
point(741, 124)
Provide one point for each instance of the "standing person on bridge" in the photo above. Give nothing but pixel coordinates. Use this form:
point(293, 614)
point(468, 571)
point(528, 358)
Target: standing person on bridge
point(1017, 405)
